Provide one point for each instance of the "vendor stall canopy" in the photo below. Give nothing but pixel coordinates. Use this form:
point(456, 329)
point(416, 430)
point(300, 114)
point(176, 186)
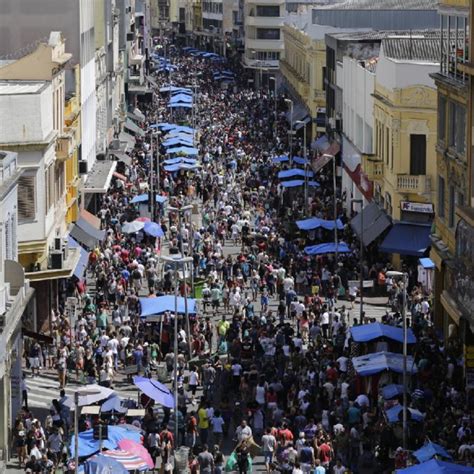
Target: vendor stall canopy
point(370, 332)
point(162, 304)
point(377, 362)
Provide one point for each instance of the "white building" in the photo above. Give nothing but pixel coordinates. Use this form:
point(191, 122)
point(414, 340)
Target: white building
point(358, 85)
point(16, 302)
point(264, 46)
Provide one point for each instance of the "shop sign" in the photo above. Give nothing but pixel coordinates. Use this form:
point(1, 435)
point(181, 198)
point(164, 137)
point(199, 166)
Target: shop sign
point(420, 207)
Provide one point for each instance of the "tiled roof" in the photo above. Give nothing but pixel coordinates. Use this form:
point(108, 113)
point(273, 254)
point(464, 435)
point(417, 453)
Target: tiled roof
point(412, 48)
point(380, 35)
point(382, 5)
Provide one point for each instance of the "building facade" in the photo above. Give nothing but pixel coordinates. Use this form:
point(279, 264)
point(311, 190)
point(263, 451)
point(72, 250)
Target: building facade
point(16, 303)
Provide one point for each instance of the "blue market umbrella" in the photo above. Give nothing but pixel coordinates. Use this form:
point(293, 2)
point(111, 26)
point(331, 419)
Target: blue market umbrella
point(114, 403)
point(430, 450)
point(434, 466)
point(153, 229)
point(100, 464)
point(155, 390)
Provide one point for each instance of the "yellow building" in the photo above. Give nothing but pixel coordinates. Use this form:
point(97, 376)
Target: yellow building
point(303, 69)
point(454, 223)
point(405, 115)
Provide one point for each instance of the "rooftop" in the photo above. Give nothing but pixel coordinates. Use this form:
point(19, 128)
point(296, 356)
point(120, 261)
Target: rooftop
point(382, 5)
point(426, 49)
point(21, 87)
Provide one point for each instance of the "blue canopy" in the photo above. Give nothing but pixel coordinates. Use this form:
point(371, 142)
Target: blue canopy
point(407, 239)
point(153, 229)
point(184, 105)
point(183, 128)
point(89, 446)
point(174, 161)
point(315, 223)
point(163, 126)
point(434, 466)
point(377, 362)
point(298, 182)
point(185, 150)
point(83, 259)
point(161, 304)
point(172, 168)
point(144, 198)
point(182, 91)
point(178, 141)
point(101, 464)
point(176, 133)
point(180, 97)
point(370, 332)
point(294, 172)
point(300, 160)
point(280, 159)
point(328, 247)
point(392, 391)
point(114, 403)
point(393, 414)
point(429, 451)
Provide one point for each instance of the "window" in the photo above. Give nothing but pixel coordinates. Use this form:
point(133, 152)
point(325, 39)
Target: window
point(417, 154)
point(268, 55)
point(268, 10)
point(451, 206)
point(441, 196)
point(49, 186)
point(457, 127)
point(441, 118)
point(268, 33)
point(324, 77)
point(27, 197)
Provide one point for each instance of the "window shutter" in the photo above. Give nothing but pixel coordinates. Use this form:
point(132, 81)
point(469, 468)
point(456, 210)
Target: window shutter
point(26, 197)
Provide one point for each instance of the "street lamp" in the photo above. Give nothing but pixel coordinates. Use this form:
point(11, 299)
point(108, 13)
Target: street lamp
point(361, 256)
point(333, 158)
point(289, 101)
point(404, 278)
point(301, 122)
point(176, 261)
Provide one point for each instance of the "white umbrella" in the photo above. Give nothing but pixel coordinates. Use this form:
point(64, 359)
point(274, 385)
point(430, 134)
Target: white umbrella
point(132, 227)
point(88, 395)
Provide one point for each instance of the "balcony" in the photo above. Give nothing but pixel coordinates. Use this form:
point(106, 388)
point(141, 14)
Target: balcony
point(373, 169)
point(414, 184)
point(65, 145)
point(264, 45)
point(265, 21)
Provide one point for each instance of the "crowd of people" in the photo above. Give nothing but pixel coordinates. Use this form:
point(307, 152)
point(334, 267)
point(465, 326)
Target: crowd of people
point(264, 368)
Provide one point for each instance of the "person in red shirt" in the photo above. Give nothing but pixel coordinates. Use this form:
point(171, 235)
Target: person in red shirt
point(285, 435)
point(331, 374)
point(325, 453)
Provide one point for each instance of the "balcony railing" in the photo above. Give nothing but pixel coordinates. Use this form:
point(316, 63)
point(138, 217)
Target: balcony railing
point(65, 146)
point(416, 184)
point(373, 169)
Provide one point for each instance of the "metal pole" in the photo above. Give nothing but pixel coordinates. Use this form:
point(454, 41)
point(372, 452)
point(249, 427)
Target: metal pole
point(275, 97)
point(157, 166)
point(76, 432)
point(405, 355)
point(335, 205)
point(176, 289)
point(151, 204)
point(291, 136)
point(361, 264)
point(305, 173)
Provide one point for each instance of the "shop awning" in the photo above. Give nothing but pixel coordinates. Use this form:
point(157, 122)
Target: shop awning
point(299, 113)
point(134, 128)
point(37, 336)
point(121, 156)
point(100, 176)
point(152, 81)
point(86, 232)
point(132, 116)
point(128, 139)
point(305, 121)
point(406, 238)
point(83, 259)
point(375, 222)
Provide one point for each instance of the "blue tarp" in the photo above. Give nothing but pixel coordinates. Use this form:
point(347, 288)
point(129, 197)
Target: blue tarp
point(298, 182)
point(369, 332)
point(434, 466)
point(294, 172)
point(176, 133)
point(329, 247)
point(300, 160)
point(180, 97)
point(184, 105)
point(178, 141)
point(407, 239)
point(280, 159)
point(174, 161)
point(429, 451)
point(315, 223)
point(161, 304)
point(377, 362)
point(83, 259)
point(144, 198)
point(185, 150)
point(114, 403)
point(392, 391)
point(89, 446)
point(426, 263)
point(393, 414)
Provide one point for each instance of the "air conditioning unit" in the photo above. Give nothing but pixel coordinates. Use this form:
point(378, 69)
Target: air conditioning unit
point(58, 243)
point(57, 259)
point(82, 167)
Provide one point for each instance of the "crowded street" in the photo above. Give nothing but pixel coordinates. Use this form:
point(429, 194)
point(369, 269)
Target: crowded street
point(214, 329)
